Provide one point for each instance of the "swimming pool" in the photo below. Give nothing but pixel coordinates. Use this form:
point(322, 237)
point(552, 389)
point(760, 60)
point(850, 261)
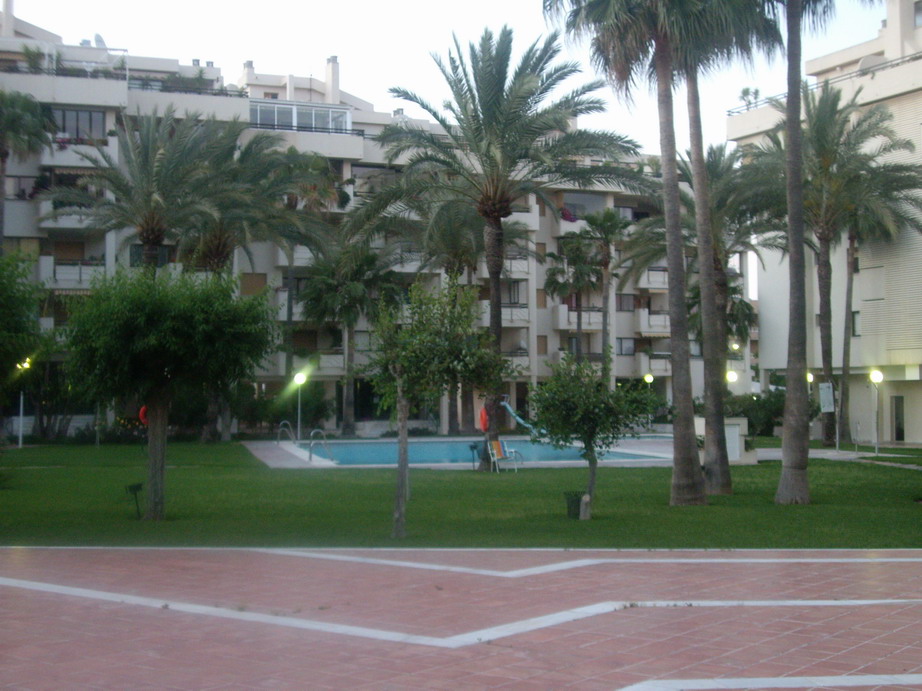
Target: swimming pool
point(438, 451)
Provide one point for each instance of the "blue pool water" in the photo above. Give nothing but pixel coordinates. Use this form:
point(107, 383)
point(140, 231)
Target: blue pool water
point(440, 451)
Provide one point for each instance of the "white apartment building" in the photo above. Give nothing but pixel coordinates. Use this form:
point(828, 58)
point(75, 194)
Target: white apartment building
point(887, 333)
point(92, 84)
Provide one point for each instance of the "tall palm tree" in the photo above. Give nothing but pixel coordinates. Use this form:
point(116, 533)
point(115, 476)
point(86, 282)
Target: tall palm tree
point(25, 129)
point(156, 185)
point(846, 186)
point(728, 30)
point(605, 229)
point(886, 201)
point(573, 272)
point(504, 139)
point(348, 279)
point(644, 37)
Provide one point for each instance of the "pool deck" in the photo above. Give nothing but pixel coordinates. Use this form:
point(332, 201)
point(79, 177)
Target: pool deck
point(522, 620)
point(656, 450)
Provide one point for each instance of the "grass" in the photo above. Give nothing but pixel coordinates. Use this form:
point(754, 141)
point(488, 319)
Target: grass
point(219, 495)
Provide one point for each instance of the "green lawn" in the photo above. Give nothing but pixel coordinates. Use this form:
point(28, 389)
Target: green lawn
point(219, 495)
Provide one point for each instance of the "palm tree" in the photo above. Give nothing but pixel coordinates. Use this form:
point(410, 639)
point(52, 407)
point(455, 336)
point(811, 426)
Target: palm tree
point(25, 129)
point(845, 188)
point(574, 271)
point(605, 229)
point(885, 202)
point(157, 185)
point(640, 37)
point(729, 29)
point(503, 139)
point(348, 279)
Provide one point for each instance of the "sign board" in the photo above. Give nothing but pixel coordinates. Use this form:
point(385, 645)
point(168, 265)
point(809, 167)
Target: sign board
point(827, 398)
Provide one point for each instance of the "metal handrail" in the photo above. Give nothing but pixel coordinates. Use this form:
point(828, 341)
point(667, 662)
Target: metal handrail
point(285, 426)
point(310, 445)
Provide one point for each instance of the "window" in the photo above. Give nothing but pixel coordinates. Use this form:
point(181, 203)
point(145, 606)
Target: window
point(624, 346)
point(542, 345)
point(918, 14)
point(165, 255)
point(625, 302)
point(79, 126)
point(304, 118)
point(270, 94)
point(252, 284)
point(541, 298)
point(856, 320)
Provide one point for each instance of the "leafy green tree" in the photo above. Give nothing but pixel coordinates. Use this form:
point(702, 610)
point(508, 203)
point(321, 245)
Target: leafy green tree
point(348, 279)
point(158, 185)
point(152, 336)
point(19, 330)
point(575, 404)
point(631, 38)
point(574, 271)
point(503, 139)
point(423, 349)
point(25, 129)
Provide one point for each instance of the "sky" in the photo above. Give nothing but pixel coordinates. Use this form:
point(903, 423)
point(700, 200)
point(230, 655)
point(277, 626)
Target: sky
point(385, 44)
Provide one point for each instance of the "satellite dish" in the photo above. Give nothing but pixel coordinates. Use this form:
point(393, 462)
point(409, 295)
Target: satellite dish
point(97, 39)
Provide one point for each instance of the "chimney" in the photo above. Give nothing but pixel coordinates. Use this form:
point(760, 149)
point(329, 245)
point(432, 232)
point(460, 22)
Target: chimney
point(9, 21)
point(332, 91)
point(248, 65)
point(209, 63)
point(196, 62)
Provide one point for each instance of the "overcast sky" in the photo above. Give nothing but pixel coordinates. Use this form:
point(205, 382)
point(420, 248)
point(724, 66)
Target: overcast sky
point(386, 44)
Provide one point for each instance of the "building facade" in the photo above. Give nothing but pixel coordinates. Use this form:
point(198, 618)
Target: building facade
point(87, 87)
point(887, 331)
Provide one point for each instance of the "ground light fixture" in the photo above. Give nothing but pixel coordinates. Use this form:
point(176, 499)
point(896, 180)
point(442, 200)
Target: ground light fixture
point(300, 378)
point(648, 378)
point(809, 377)
point(732, 376)
point(876, 377)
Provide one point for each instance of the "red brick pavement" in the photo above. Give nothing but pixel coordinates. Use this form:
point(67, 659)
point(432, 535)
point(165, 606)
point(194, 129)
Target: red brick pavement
point(200, 638)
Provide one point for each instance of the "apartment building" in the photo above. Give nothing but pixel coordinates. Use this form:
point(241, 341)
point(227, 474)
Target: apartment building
point(88, 85)
point(887, 331)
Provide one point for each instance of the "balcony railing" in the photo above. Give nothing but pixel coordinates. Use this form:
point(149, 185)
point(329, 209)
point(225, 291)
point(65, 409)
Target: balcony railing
point(304, 128)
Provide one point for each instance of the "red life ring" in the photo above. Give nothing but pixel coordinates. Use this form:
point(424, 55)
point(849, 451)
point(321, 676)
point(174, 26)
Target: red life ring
point(142, 415)
point(484, 419)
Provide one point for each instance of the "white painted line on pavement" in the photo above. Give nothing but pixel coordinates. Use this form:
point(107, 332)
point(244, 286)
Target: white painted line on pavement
point(912, 680)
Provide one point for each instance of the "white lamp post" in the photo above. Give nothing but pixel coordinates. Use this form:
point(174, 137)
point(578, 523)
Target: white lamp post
point(876, 377)
point(26, 364)
point(300, 378)
point(648, 378)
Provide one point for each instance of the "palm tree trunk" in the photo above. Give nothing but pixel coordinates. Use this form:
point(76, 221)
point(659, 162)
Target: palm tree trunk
point(494, 252)
point(348, 429)
point(845, 430)
point(453, 408)
point(467, 409)
point(606, 337)
point(824, 284)
point(289, 320)
point(3, 161)
point(793, 486)
point(687, 479)
point(158, 407)
point(403, 464)
point(716, 461)
point(579, 327)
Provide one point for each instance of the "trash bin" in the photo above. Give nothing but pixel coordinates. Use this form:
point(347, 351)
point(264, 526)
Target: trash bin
point(573, 502)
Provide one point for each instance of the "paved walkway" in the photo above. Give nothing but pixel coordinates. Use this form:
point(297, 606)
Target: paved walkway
point(459, 619)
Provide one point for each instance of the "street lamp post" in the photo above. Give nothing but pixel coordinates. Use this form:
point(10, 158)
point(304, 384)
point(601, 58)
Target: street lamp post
point(648, 377)
point(300, 378)
point(26, 364)
point(876, 377)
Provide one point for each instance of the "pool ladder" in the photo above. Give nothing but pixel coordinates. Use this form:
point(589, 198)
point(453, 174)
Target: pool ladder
point(323, 440)
point(285, 426)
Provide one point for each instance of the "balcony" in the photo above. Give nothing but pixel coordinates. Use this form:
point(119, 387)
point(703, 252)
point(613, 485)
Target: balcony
point(519, 359)
point(658, 364)
point(515, 266)
point(565, 318)
point(69, 152)
point(513, 315)
point(69, 221)
point(302, 257)
point(651, 323)
point(655, 278)
point(69, 275)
